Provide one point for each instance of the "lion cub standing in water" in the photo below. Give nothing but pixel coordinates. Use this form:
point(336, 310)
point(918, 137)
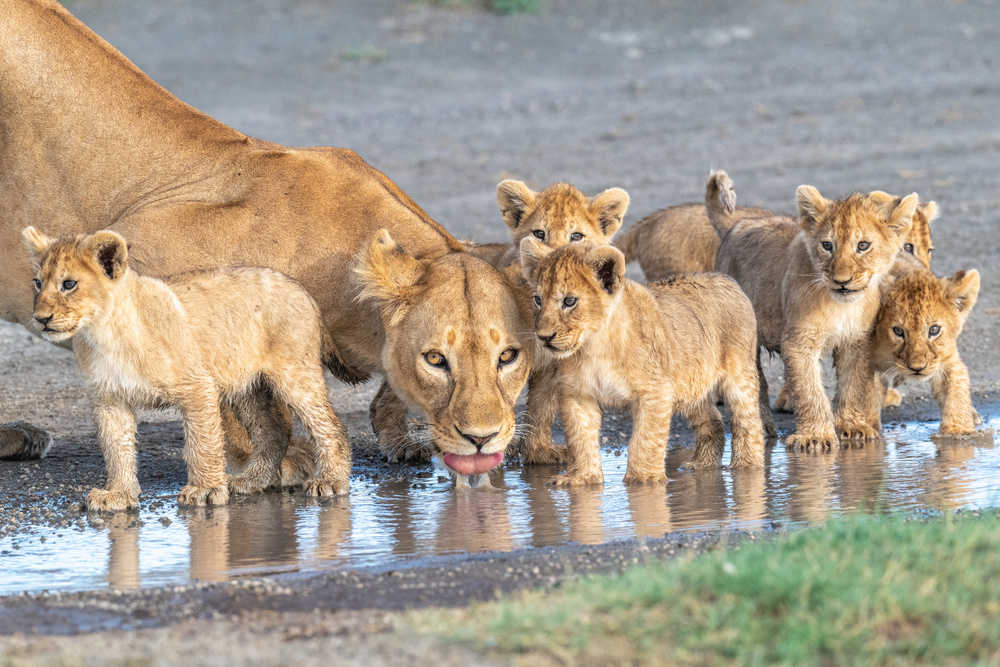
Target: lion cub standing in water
point(193, 340)
point(655, 349)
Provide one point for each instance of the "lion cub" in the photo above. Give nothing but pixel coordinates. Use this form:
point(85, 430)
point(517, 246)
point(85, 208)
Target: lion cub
point(915, 338)
point(828, 265)
point(655, 349)
point(192, 340)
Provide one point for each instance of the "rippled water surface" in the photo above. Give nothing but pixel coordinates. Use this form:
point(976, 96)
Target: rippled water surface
point(418, 515)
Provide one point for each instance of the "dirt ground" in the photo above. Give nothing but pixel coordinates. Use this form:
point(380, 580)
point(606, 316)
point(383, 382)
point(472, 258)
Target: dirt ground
point(647, 95)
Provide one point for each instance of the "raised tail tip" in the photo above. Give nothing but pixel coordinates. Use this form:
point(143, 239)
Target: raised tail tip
point(720, 188)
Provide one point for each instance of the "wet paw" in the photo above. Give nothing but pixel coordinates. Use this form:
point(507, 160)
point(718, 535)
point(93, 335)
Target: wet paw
point(892, 398)
point(325, 489)
point(549, 454)
point(102, 500)
point(857, 431)
point(956, 428)
point(243, 485)
point(577, 480)
point(645, 478)
point(805, 439)
point(201, 496)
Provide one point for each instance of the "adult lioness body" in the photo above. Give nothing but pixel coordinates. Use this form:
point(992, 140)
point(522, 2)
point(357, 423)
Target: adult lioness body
point(90, 142)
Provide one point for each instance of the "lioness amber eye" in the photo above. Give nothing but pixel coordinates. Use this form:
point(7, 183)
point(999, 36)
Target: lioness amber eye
point(539, 234)
point(908, 247)
point(827, 246)
point(68, 285)
point(576, 236)
point(934, 330)
point(538, 301)
point(508, 356)
point(38, 284)
point(569, 301)
point(435, 359)
point(898, 331)
point(864, 245)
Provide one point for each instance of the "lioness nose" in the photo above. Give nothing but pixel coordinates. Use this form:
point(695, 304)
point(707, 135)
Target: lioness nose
point(43, 320)
point(477, 440)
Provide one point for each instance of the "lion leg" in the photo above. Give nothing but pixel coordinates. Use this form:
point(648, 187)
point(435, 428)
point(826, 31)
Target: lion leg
point(859, 393)
point(582, 422)
point(543, 406)
point(709, 435)
point(116, 435)
point(764, 402)
point(388, 417)
point(270, 431)
point(743, 399)
point(305, 392)
point(647, 448)
point(204, 448)
point(784, 402)
point(20, 441)
point(951, 391)
point(814, 423)
point(892, 398)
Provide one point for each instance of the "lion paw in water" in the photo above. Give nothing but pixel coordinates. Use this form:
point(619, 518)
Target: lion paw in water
point(102, 500)
point(199, 496)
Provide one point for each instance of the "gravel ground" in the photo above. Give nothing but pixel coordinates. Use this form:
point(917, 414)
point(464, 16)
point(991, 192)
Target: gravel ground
point(646, 95)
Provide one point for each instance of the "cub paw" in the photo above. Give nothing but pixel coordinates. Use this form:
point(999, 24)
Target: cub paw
point(857, 431)
point(645, 478)
point(577, 479)
point(892, 398)
point(784, 402)
point(323, 489)
point(805, 439)
point(544, 455)
point(242, 485)
point(102, 500)
point(200, 496)
point(956, 428)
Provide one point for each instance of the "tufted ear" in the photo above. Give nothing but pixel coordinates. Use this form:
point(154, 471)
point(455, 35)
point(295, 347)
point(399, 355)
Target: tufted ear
point(389, 275)
point(811, 205)
point(929, 210)
point(609, 207)
point(901, 217)
point(35, 241)
point(514, 199)
point(532, 252)
point(962, 289)
point(111, 252)
point(608, 264)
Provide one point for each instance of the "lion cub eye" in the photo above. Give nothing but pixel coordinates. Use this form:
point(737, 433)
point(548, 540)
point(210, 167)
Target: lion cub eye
point(934, 330)
point(898, 331)
point(908, 247)
point(827, 246)
point(569, 302)
point(576, 236)
point(38, 285)
point(538, 301)
point(68, 285)
point(508, 356)
point(435, 359)
point(863, 245)
point(539, 234)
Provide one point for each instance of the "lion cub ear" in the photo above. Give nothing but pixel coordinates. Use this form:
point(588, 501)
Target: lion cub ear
point(35, 241)
point(962, 289)
point(609, 207)
point(514, 199)
point(811, 205)
point(388, 274)
point(111, 252)
point(532, 252)
point(929, 211)
point(901, 217)
point(608, 264)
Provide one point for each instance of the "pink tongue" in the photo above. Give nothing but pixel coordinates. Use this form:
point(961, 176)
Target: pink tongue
point(473, 464)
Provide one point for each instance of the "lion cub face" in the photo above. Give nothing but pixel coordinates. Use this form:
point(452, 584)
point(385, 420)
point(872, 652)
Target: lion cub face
point(560, 213)
point(853, 241)
point(72, 279)
point(920, 320)
point(576, 287)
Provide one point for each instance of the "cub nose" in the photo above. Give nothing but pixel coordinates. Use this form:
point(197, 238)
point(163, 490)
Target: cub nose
point(546, 339)
point(477, 440)
point(916, 370)
point(843, 283)
point(44, 321)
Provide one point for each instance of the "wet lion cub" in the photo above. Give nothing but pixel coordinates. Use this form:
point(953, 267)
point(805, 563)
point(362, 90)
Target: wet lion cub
point(192, 341)
point(655, 349)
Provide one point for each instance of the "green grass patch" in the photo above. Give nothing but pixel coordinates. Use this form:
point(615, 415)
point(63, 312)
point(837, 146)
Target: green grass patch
point(861, 591)
point(498, 6)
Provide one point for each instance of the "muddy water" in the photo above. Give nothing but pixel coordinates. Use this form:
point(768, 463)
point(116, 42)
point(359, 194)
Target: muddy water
point(419, 514)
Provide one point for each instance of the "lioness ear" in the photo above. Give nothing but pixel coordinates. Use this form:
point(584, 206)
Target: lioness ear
point(111, 252)
point(811, 205)
point(35, 241)
point(610, 207)
point(514, 198)
point(388, 274)
point(962, 289)
point(608, 264)
point(901, 218)
point(929, 210)
point(532, 252)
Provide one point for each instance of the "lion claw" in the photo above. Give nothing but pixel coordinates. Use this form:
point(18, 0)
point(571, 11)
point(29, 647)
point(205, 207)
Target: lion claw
point(325, 489)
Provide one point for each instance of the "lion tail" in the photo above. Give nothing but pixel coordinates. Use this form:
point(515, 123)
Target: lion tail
point(720, 200)
point(341, 370)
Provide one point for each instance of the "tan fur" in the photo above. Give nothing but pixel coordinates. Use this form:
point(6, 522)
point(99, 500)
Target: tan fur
point(905, 345)
point(193, 340)
point(654, 349)
point(828, 299)
point(468, 398)
point(188, 192)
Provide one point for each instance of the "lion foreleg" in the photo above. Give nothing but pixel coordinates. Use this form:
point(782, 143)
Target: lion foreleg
point(952, 393)
point(116, 435)
point(204, 450)
point(647, 448)
point(582, 422)
point(859, 393)
point(814, 422)
point(387, 413)
point(543, 407)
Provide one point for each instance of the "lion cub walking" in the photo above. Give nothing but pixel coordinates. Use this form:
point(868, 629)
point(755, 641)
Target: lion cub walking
point(655, 349)
point(193, 340)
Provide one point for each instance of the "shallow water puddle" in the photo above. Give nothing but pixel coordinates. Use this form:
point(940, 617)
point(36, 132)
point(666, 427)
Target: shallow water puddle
point(416, 515)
